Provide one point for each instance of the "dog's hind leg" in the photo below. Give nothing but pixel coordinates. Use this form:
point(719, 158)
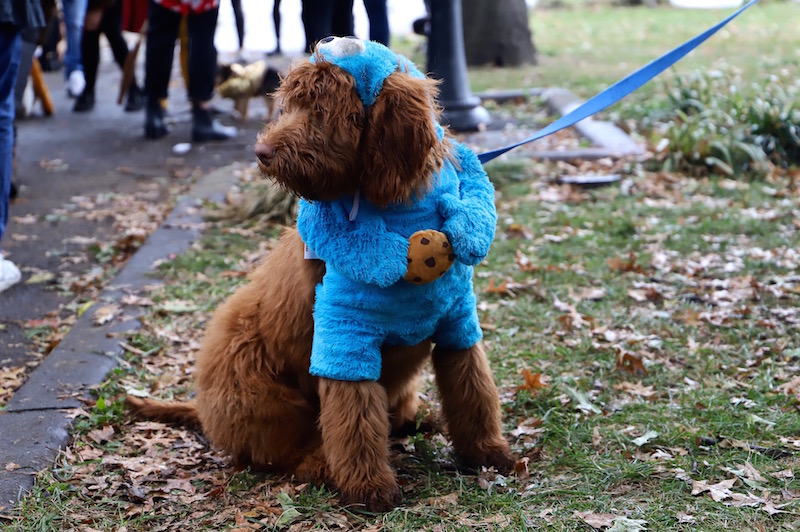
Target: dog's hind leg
point(471, 407)
point(269, 426)
point(355, 439)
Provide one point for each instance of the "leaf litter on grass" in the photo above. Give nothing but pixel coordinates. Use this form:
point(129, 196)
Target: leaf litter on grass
point(647, 371)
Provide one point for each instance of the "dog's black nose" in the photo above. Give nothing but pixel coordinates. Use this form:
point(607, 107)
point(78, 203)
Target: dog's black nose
point(264, 151)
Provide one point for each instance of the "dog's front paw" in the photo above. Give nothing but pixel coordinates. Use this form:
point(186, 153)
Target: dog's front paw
point(495, 454)
point(430, 255)
point(373, 499)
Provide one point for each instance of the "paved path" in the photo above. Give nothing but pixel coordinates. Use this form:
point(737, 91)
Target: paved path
point(59, 158)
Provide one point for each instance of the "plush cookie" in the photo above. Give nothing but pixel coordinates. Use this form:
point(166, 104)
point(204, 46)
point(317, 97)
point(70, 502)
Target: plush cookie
point(429, 256)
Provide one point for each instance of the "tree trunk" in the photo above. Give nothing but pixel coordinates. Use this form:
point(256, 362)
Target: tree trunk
point(496, 32)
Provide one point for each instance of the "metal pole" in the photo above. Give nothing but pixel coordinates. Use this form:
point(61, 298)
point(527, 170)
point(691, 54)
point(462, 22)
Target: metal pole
point(447, 61)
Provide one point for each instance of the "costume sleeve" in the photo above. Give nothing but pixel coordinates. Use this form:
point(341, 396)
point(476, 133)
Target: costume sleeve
point(470, 219)
point(363, 250)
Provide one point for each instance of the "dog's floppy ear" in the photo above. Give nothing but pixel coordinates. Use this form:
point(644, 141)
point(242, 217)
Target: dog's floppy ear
point(400, 147)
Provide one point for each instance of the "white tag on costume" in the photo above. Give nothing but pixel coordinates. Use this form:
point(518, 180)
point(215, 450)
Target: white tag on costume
point(308, 253)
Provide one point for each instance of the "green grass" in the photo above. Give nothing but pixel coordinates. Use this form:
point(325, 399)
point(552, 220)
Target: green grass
point(710, 398)
point(699, 287)
point(587, 49)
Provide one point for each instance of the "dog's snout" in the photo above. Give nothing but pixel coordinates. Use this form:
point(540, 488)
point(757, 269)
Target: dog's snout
point(264, 151)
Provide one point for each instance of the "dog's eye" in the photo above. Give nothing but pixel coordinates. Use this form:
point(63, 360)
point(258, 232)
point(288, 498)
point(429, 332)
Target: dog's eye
point(326, 40)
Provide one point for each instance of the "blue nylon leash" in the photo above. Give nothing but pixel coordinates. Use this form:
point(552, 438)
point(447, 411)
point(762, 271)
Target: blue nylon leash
point(619, 90)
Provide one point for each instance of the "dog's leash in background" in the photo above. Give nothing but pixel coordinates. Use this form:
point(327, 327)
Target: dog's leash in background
point(619, 90)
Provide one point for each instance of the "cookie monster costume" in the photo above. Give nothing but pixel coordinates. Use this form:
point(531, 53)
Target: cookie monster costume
point(363, 301)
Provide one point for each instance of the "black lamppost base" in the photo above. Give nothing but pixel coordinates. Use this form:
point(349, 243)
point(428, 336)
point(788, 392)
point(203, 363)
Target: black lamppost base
point(447, 62)
point(465, 116)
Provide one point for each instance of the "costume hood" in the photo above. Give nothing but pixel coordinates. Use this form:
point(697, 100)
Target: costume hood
point(369, 62)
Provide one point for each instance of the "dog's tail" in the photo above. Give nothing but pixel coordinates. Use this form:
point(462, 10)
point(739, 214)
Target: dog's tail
point(183, 413)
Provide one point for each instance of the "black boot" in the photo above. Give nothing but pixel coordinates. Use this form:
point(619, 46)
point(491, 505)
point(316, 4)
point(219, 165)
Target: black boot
point(205, 127)
point(85, 102)
point(154, 126)
point(136, 99)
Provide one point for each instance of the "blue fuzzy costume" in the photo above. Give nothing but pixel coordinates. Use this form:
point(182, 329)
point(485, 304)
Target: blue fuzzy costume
point(363, 301)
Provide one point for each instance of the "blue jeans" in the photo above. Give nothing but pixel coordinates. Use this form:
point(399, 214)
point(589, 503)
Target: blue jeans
point(74, 13)
point(10, 50)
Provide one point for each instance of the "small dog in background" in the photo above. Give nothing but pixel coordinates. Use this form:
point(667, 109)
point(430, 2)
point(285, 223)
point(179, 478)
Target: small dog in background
point(240, 82)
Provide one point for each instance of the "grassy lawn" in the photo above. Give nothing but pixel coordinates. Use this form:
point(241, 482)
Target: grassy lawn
point(587, 49)
point(645, 338)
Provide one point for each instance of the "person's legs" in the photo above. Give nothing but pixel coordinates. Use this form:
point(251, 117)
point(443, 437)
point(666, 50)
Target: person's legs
point(162, 30)
point(342, 23)
point(317, 16)
point(202, 72)
point(276, 20)
point(238, 14)
point(24, 71)
point(90, 50)
point(111, 27)
point(378, 21)
point(52, 35)
point(202, 55)
point(74, 14)
point(10, 49)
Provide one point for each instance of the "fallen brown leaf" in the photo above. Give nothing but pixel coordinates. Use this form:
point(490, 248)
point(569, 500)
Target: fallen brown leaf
point(101, 435)
point(718, 492)
point(595, 520)
point(625, 265)
point(533, 381)
point(631, 363)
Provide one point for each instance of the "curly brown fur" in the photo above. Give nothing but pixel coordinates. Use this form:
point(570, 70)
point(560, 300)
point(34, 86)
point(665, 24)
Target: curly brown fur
point(255, 396)
point(325, 145)
point(314, 147)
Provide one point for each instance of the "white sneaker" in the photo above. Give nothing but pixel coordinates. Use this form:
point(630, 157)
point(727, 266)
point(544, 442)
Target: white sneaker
point(28, 99)
point(9, 274)
point(76, 83)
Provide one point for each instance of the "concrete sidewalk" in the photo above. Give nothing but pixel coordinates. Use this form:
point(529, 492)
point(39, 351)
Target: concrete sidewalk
point(72, 159)
point(104, 152)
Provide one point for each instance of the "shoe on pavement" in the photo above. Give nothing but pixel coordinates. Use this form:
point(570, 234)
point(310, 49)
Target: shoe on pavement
point(50, 62)
point(76, 83)
point(154, 126)
point(85, 102)
point(136, 99)
point(205, 127)
point(9, 274)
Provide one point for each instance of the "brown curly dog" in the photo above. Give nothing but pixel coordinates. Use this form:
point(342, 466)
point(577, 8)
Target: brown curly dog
point(255, 396)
